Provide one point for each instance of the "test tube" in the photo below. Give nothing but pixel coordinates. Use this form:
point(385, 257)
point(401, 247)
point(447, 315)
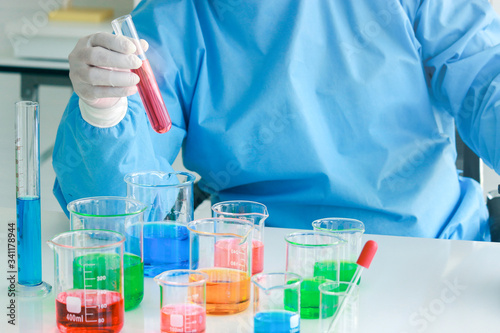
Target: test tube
point(148, 87)
point(29, 242)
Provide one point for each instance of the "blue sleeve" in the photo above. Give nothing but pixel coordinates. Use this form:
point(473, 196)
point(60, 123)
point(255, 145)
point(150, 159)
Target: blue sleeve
point(461, 55)
point(92, 161)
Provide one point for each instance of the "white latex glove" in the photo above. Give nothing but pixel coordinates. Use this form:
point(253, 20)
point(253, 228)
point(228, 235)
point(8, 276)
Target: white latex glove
point(100, 69)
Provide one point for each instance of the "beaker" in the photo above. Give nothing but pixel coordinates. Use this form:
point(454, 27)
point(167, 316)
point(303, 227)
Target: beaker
point(183, 304)
point(169, 201)
point(250, 211)
point(229, 271)
point(29, 226)
point(332, 294)
point(88, 273)
point(314, 256)
point(351, 231)
point(122, 215)
point(271, 313)
point(148, 87)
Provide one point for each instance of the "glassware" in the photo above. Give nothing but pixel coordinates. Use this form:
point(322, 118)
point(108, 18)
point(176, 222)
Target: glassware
point(351, 231)
point(169, 201)
point(271, 313)
point(29, 242)
point(183, 302)
point(88, 273)
point(331, 296)
point(250, 211)
point(122, 215)
point(228, 268)
point(148, 87)
point(314, 256)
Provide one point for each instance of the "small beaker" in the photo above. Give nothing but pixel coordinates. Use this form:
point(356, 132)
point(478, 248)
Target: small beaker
point(314, 256)
point(122, 215)
point(169, 201)
point(183, 305)
point(271, 313)
point(332, 294)
point(222, 248)
point(88, 273)
point(351, 231)
point(250, 211)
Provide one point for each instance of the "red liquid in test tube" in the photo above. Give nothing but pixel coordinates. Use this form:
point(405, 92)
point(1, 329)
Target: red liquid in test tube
point(152, 99)
point(183, 318)
point(89, 311)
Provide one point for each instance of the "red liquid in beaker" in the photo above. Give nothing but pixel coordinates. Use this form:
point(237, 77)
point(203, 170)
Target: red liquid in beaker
point(231, 255)
point(85, 310)
point(183, 318)
point(152, 99)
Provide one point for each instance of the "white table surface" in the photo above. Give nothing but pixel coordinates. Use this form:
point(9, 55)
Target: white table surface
point(413, 285)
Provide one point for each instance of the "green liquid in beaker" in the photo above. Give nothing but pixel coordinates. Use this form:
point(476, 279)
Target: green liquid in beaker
point(134, 280)
point(309, 298)
point(309, 292)
point(329, 270)
point(102, 271)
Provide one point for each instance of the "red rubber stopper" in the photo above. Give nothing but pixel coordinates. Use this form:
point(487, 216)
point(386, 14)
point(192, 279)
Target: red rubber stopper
point(367, 254)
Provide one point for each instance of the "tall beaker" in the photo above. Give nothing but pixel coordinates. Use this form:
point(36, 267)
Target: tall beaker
point(228, 268)
point(122, 215)
point(250, 211)
point(271, 313)
point(169, 201)
point(29, 227)
point(351, 231)
point(88, 273)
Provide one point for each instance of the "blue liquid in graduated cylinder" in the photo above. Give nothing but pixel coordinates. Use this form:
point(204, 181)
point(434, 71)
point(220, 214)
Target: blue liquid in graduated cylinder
point(276, 322)
point(29, 241)
point(166, 247)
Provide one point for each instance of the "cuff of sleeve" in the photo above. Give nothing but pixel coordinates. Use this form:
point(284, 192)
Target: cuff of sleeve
point(104, 118)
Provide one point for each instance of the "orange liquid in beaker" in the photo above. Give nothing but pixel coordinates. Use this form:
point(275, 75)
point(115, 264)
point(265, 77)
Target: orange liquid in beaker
point(228, 290)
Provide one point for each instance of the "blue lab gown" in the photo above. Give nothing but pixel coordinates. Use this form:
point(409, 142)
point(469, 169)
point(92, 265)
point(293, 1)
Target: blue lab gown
point(315, 108)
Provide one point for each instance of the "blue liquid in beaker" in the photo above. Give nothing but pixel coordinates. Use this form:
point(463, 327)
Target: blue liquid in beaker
point(166, 247)
point(276, 322)
point(29, 241)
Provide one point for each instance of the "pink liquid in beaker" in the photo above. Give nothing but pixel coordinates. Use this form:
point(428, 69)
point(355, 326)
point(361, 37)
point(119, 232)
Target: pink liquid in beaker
point(152, 99)
point(183, 318)
point(231, 255)
point(89, 310)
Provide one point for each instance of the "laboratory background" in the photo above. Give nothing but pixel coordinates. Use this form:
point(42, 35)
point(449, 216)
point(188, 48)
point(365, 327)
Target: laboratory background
point(414, 285)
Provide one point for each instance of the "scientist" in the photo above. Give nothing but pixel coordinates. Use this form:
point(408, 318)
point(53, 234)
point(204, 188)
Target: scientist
point(315, 108)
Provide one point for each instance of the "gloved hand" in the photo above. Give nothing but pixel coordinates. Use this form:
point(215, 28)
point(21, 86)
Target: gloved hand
point(100, 69)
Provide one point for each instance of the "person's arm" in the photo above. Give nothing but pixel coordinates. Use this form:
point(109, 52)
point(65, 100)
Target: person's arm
point(92, 161)
point(460, 50)
point(90, 157)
